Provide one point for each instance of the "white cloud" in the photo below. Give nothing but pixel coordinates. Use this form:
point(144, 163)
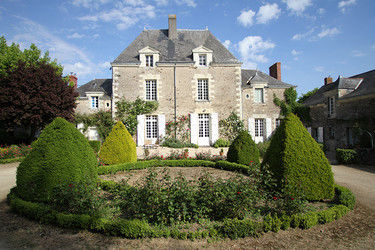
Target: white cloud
point(190, 3)
point(105, 65)
point(246, 18)
point(161, 2)
point(250, 49)
point(319, 68)
point(342, 5)
point(268, 12)
point(321, 11)
point(75, 36)
point(358, 53)
point(89, 3)
point(303, 35)
point(295, 52)
point(328, 32)
point(227, 43)
point(297, 6)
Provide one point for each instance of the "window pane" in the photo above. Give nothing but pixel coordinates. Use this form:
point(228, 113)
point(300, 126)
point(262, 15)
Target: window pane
point(203, 89)
point(259, 95)
point(151, 93)
point(259, 127)
point(202, 60)
point(204, 125)
point(151, 127)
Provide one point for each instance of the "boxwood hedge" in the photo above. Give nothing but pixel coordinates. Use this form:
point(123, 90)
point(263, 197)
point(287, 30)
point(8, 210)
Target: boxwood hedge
point(243, 150)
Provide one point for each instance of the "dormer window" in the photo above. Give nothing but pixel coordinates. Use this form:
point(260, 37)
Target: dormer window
point(149, 61)
point(202, 60)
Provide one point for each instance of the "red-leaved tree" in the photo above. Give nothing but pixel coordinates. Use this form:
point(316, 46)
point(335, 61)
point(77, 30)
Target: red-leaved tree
point(31, 96)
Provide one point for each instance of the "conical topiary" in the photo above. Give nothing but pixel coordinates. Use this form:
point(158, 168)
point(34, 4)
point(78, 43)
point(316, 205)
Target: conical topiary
point(119, 146)
point(60, 156)
point(243, 150)
point(297, 163)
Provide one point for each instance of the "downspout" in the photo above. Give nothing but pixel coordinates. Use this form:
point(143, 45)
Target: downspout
point(175, 99)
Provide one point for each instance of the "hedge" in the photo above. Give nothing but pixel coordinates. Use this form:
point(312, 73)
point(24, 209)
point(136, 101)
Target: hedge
point(10, 160)
point(95, 145)
point(344, 196)
point(243, 150)
point(347, 156)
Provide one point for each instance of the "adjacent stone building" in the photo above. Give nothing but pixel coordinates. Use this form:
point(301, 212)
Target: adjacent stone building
point(188, 72)
point(342, 110)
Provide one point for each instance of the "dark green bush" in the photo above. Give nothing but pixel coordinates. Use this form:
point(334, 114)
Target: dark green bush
point(220, 143)
point(262, 147)
point(60, 156)
point(347, 156)
point(344, 196)
point(296, 162)
point(175, 143)
point(95, 145)
point(243, 150)
point(308, 220)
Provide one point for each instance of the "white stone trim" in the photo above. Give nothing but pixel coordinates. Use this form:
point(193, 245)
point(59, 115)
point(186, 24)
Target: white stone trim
point(211, 82)
point(268, 128)
point(161, 127)
point(148, 51)
point(201, 50)
point(320, 134)
point(251, 127)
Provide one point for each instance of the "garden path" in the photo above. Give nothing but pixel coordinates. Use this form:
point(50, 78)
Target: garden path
point(7, 178)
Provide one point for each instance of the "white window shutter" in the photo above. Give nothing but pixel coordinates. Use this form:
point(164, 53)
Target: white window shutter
point(320, 134)
point(214, 124)
point(309, 130)
point(141, 130)
point(161, 126)
point(251, 122)
point(194, 128)
point(268, 128)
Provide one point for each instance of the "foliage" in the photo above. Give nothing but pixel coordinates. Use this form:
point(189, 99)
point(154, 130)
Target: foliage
point(297, 163)
point(240, 228)
point(127, 112)
point(32, 96)
point(344, 196)
point(95, 145)
point(119, 146)
point(5, 161)
point(262, 147)
point(221, 143)
point(14, 151)
point(178, 129)
point(347, 156)
point(304, 97)
point(243, 150)
point(289, 105)
point(175, 143)
point(102, 120)
point(175, 155)
point(61, 155)
point(231, 127)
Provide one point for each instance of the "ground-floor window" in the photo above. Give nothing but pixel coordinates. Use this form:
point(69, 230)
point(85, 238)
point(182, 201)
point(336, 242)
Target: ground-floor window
point(204, 125)
point(278, 122)
point(259, 127)
point(151, 126)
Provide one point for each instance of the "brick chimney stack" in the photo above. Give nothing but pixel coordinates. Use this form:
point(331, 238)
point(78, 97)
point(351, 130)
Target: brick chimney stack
point(172, 27)
point(275, 71)
point(327, 80)
point(73, 79)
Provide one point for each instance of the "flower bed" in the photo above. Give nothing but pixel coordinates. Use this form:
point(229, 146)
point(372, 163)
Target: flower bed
point(234, 225)
point(14, 153)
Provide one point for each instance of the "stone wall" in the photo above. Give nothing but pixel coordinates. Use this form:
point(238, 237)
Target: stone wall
point(84, 106)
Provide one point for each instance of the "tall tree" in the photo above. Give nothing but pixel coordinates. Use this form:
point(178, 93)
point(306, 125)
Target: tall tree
point(31, 96)
point(304, 97)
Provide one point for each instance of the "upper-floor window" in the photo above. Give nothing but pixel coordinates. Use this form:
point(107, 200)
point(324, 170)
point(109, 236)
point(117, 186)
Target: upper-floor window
point(151, 126)
point(151, 90)
point(259, 98)
point(94, 102)
point(149, 61)
point(203, 89)
point(202, 60)
point(330, 106)
point(278, 122)
point(259, 127)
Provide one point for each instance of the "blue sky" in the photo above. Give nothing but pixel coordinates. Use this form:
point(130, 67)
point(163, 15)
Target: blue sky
point(311, 38)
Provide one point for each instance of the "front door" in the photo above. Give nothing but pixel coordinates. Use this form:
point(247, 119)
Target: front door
point(204, 130)
point(259, 130)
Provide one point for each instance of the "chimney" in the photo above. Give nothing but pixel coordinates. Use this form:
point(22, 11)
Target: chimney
point(73, 80)
point(275, 71)
point(172, 29)
point(327, 80)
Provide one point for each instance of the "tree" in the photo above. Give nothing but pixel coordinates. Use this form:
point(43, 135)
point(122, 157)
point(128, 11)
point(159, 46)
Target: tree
point(31, 96)
point(304, 97)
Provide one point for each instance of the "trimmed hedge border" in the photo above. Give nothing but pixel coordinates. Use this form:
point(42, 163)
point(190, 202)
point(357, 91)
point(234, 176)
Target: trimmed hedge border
point(10, 160)
point(229, 228)
point(346, 156)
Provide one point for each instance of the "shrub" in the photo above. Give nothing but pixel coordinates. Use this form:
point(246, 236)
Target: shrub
point(347, 156)
point(239, 228)
point(95, 145)
point(119, 146)
point(262, 147)
point(243, 150)
point(344, 196)
point(297, 164)
point(221, 143)
point(308, 220)
point(59, 156)
point(175, 143)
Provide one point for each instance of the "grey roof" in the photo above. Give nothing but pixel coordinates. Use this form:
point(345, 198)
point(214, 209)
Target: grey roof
point(366, 87)
point(340, 83)
point(178, 50)
point(97, 85)
point(258, 76)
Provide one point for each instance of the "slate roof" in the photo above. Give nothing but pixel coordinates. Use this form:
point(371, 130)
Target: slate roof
point(97, 85)
point(340, 83)
point(175, 50)
point(366, 87)
point(258, 76)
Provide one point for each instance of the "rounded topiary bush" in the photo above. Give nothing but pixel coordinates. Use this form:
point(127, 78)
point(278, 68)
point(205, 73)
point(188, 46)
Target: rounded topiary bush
point(119, 146)
point(61, 155)
point(297, 163)
point(243, 150)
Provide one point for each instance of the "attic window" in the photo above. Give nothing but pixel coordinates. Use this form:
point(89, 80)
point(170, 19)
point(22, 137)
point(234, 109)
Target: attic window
point(149, 61)
point(202, 60)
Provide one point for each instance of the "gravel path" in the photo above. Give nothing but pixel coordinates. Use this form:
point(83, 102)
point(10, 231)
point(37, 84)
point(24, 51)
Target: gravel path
point(7, 178)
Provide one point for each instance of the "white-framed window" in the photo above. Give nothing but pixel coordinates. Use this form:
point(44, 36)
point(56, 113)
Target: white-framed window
point(149, 61)
point(151, 90)
point(330, 105)
point(94, 102)
point(278, 122)
point(202, 60)
point(203, 89)
point(259, 127)
point(259, 98)
point(204, 125)
point(152, 126)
